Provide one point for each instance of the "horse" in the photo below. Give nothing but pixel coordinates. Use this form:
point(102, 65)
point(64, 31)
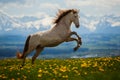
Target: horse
point(59, 33)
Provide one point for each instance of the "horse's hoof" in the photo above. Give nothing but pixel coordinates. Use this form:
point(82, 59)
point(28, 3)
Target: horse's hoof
point(76, 48)
point(32, 63)
point(80, 43)
point(21, 66)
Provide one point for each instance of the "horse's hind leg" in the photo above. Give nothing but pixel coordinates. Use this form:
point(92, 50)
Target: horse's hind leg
point(25, 55)
point(38, 50)
point(24, 58)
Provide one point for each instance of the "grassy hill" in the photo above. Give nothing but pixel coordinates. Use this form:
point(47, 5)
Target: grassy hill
point(61, 69)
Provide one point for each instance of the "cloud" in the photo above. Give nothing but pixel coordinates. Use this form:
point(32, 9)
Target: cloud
point(89, 23)
point(47, 21)
point(8, 29)
point(50, 6)
point(114, 24)
point(95, 7)
point(113, 20)
point(14, 4)
point(12, 1)
point(98, 3)
point(37, 15)
point(28, 7)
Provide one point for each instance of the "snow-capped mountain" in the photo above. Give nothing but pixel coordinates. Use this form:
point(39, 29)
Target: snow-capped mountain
point(31, 24)
point(7, 23)
point(11, 25)
point(108, 24)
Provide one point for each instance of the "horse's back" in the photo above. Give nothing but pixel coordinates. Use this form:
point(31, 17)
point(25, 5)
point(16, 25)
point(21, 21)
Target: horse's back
point(45, 38)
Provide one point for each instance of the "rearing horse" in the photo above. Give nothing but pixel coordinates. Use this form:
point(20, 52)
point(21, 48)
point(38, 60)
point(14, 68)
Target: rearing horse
point(61, 32)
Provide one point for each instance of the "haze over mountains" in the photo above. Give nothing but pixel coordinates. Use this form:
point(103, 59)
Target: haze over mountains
point(29, 24)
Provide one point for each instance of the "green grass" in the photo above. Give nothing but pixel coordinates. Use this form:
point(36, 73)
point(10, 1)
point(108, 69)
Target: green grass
point(61, 69)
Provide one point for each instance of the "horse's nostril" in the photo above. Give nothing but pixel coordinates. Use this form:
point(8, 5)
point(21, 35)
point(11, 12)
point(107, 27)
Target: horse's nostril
point(77, 26)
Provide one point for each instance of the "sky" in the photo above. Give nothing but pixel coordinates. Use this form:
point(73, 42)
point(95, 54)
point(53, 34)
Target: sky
point(37, 8)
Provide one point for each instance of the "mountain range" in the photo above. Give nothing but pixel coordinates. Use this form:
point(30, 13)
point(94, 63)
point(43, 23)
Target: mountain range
point(30, 24)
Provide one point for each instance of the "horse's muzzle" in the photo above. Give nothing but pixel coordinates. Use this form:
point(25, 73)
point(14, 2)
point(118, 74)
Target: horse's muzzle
point(77, 26)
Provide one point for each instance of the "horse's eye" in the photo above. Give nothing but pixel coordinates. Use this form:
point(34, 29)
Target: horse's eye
point(75, 15)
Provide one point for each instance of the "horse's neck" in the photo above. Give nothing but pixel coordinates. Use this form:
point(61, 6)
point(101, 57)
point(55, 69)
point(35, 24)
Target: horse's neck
point(65, 23)
point(62, 28)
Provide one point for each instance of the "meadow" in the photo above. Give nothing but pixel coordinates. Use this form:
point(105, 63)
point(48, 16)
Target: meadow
point(106, 68)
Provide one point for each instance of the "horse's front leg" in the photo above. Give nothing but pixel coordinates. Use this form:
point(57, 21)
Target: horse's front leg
point(79, 38)
point(74, 39)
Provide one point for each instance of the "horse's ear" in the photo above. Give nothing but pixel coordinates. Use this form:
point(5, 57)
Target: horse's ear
point(78, 10)
point(59, 10)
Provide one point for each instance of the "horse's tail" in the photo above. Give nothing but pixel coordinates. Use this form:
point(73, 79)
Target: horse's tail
point(19, 55)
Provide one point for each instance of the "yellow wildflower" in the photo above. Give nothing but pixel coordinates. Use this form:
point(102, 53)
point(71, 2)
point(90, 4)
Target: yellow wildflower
point(63, 69)
point(0, 76)
point(65, 76)
point(53, 79)
point(101, 69)
point(18, 73)
point(95, 64)
point(40, 70)
point(24, 76)
point(39, 75)
point(5, 67)
point(12, 79)
point(85, 73)
point(46, 72)
point(55, 72)
point(84, 65)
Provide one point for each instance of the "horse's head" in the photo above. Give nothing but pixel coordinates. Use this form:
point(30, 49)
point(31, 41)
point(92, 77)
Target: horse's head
point(75, 18)
point(72, 15)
